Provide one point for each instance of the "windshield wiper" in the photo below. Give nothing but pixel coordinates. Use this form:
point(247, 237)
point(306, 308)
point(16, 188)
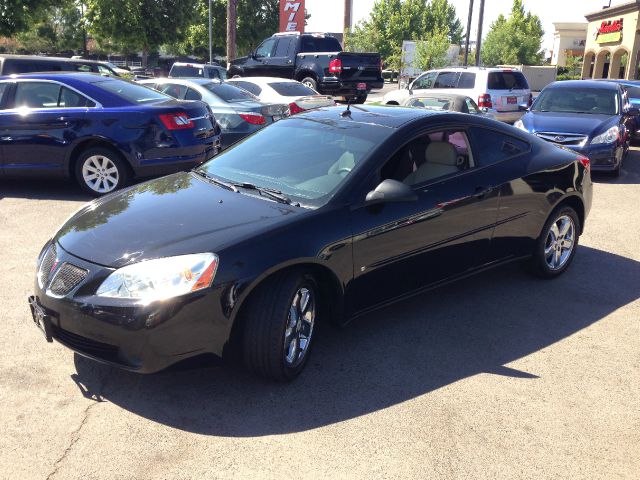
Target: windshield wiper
point(267, 192)
point(216, 181)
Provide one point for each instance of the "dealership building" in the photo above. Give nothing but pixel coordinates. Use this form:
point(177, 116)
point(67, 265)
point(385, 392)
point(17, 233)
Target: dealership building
point(613, 42)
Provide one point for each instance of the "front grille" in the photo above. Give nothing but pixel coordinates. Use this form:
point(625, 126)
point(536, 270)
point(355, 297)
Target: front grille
point(84, 344)
point(46, 265)
point(66, 279)
point(569, 139)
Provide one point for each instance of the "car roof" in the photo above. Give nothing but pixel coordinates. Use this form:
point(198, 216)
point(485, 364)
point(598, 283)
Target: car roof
point(184, 80)
point(620, 81)
point(439, 95)
point(585, 84)
point(87, 77)
point(195, 64)
point(49, 59)
point(264, 80)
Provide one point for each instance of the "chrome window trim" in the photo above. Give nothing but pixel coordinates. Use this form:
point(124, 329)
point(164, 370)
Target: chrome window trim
point(22, 80)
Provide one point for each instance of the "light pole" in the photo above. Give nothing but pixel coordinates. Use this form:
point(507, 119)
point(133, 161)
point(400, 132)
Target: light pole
point(479, 38)
point(466, 46)
point(210, 38)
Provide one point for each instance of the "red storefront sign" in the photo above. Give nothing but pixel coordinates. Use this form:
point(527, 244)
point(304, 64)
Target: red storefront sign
point(292, 15)
point(610, 26)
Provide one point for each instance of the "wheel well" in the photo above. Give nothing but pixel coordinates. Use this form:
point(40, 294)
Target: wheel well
point(392, 103)
point(575, 203)
point(306, 73)
point(93, 143)
point(331, 295)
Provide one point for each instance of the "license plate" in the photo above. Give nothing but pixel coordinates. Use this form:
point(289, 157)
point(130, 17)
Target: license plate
point(512, 100)
point(41, 318)
point(361, 86)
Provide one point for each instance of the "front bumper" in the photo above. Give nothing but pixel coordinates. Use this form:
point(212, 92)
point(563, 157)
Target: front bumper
point(603, 158)
point(141, 338)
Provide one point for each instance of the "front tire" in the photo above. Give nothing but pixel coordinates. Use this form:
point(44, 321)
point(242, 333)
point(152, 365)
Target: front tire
point(99, 171)
point(557, 244)
point(278, 325)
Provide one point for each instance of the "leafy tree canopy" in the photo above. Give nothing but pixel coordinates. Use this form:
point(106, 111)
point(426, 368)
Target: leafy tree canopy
point(514, 40)
point(17, 15)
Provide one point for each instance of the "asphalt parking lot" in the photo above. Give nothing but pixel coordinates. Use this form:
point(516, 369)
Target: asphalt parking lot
point(499, 376)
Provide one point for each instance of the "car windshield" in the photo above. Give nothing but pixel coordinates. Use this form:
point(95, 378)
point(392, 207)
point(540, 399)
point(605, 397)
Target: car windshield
point(229, 93)
point(132, 92)
point(285, 156)
point(292, 89)
point(577, 100)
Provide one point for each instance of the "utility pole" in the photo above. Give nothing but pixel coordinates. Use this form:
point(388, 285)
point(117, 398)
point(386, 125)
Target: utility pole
point(347, 21)
point(210, 37)
point(479, 39)
point(231, 29)
point(84, 30)
point(466, 46)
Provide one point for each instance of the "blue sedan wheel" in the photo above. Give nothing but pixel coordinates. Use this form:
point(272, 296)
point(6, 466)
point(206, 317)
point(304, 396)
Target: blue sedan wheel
point(100, 171)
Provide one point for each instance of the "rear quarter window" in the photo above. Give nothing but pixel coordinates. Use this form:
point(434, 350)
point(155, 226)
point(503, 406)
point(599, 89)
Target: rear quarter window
point(491, 146)
point(506, 81)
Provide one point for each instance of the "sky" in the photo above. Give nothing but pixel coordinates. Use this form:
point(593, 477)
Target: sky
point(327, 15)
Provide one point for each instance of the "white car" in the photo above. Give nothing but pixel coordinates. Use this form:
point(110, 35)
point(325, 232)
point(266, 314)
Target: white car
point(299, 97)
point(504, 92)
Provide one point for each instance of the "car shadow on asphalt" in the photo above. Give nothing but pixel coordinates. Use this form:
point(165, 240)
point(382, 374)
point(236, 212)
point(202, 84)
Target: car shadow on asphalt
point(475, 326)
point(629, 174)
point(42, 189)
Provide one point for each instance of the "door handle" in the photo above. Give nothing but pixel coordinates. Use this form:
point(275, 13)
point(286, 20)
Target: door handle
point(6, 139)
point(482, 191)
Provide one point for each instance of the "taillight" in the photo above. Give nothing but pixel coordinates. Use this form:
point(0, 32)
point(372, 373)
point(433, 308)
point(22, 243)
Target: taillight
point(530, 102)
point(252, 118)
point(176, 121)
point(295, 108)
point(335, 66)
point(484, 100)
point(586, 163)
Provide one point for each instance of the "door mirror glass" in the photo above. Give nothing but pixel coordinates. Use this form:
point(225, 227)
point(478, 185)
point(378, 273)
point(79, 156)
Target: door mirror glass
point(391, 190)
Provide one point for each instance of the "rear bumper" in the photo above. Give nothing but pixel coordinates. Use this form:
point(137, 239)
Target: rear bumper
point(507, 117)
point(335, 86)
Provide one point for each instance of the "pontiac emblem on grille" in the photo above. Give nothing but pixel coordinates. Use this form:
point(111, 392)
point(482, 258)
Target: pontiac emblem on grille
point(559, 138)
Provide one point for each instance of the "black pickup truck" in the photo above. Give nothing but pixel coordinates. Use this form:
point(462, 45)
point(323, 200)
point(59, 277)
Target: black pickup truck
point(317, 60)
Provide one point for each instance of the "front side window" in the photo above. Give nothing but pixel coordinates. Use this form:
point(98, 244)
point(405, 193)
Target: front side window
point(430, 157)
point(266, 48)
point(491, 146)
point(286, 157)
point(284, 44)
point(597, 101)
point(425, 81)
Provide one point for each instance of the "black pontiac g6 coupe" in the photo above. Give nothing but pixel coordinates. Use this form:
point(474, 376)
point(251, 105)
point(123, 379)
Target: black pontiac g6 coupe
point(319, 217)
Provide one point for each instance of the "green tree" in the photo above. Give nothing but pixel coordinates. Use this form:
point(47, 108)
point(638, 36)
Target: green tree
point(514, 40)
point(54, 30)
point(140, 25)
point(17, 15)
point(432, 52)
point(392, 21)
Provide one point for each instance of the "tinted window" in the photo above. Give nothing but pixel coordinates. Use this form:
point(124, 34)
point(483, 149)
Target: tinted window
point(12, 66)
point(37, 95)
point(467, 80)
point(266, 48)
point(284, 44)
point(192, 95)
point(506, 81)
point(490, 146)
point(577, 100)
point(186, 71)
point(634, 92)
point(131, 92)
point(446, 80)
point(292, 89)
point(319, 44)
point(425, 81)
point(249, 87)
point(285, 156)
point(172, 89)
point(228, 93)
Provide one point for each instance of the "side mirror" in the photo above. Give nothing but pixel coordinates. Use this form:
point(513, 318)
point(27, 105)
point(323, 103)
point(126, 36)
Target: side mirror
point(633, 112)
point(391, 191)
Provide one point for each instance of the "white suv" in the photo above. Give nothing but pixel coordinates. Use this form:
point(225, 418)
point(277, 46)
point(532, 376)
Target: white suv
point(502, 91)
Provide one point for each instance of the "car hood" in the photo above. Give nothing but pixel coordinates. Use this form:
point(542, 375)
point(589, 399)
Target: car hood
point(174, 215)
point(584, 124)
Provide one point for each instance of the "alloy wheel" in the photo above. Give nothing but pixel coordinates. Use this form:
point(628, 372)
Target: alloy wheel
point(300, 323)
point(100, 174)
point(560, 242)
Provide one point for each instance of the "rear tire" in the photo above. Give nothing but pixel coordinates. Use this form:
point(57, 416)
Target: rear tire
point(100, 171)
point(278, 325)
point(310, 82)
point(557, 244)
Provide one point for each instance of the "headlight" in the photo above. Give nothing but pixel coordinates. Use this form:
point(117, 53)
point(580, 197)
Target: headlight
point(520, 125)
point(161, 278)
point(609, 136)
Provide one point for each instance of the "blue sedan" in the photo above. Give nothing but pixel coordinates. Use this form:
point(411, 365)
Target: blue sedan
point(101, 131)
point(590, 117)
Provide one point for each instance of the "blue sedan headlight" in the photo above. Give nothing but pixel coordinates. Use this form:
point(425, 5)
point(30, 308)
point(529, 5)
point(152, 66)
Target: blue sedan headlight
point(609, 136)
